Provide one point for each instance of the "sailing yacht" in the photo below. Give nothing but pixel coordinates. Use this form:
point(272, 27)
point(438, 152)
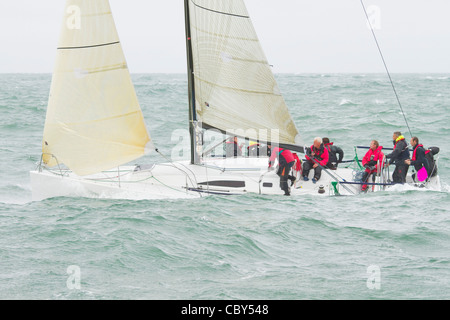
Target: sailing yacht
point(94, 126)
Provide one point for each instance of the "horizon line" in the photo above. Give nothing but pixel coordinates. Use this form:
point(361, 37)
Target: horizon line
point(275, 73)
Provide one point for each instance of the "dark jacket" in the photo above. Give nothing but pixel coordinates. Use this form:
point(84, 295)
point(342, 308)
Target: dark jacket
point(232, 149)
point(429, 154)
point(333, 151)
point(419, 160)
point(400, 153)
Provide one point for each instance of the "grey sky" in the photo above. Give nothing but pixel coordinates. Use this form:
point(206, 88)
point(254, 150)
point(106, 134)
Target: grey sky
point(298, 36)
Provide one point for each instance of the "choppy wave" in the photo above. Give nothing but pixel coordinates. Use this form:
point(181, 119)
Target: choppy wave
point(347, 102)
point(248, 247)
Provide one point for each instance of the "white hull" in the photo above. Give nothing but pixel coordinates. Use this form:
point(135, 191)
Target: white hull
point(182, 180)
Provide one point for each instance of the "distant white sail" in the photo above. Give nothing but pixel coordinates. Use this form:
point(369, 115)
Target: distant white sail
point(235, 88)
point(94, 121)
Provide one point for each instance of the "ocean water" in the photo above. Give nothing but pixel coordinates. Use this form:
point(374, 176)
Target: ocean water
point(385, 245)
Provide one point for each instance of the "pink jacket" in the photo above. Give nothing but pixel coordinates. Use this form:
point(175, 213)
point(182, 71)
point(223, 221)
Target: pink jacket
point(277, 152)
point(322, 155)
point(377, 156)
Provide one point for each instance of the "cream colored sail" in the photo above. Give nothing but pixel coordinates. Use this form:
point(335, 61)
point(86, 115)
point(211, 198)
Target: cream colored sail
point(235, 88)
point(94, 121)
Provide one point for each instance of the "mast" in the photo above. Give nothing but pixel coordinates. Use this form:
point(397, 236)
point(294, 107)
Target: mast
point(191, 87)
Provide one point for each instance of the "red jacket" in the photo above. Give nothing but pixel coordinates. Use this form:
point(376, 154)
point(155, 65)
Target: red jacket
point(321, 156)
point(377, 156)
point(277, 152)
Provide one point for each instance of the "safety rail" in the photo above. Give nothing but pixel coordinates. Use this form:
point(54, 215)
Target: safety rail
point(40, 166)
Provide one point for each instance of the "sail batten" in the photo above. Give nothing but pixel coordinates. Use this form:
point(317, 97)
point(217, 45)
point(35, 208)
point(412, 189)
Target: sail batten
point(221, 12)
point(94, 121)
point(225, 36)
point(238, 89)
point(108, 68)
point(89, 46)
point(99, 120)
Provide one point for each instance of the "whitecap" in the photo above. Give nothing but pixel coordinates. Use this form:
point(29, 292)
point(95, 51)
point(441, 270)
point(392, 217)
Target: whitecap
point(346, 102)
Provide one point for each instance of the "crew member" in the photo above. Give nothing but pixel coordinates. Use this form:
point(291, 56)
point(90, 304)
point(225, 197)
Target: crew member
point(316, 158)
point(372, 161)
point(333, 152)
point(398, 157)
point(418, 159)
point(232, 148)
point(285, 162)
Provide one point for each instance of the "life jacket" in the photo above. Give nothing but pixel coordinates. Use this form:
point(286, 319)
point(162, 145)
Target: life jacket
point(397, 140)
point(321, 155)
point(415, 152)
point(283, 155)
point(405, 152)
point(378, 156)
point(253, 148)
point(331, 154)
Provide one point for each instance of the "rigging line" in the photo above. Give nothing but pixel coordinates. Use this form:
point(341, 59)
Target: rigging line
point(385, 66)
point(329, 173)
point(333, 177)
point(173, 165)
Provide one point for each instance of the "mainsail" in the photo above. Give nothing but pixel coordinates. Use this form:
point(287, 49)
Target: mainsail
point(94, 121)
point(235, 89)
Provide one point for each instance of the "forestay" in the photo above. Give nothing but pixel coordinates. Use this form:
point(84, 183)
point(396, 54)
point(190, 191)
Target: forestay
point(94, 121)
